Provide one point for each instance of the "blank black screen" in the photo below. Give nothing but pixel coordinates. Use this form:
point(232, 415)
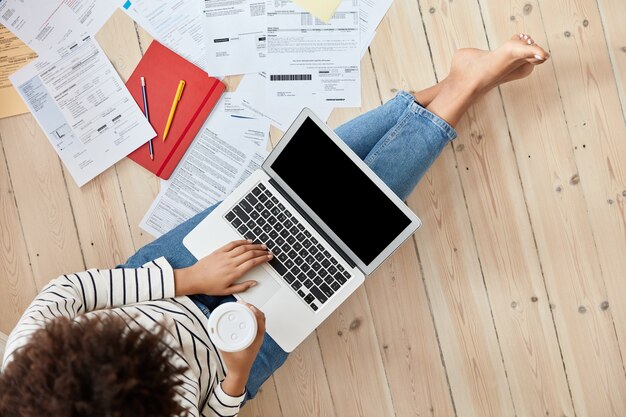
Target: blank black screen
point(339, 192)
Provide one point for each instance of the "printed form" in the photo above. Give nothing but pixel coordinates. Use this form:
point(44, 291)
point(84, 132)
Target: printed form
point(50, 23)
point(176, 24)
point(15, 54)
point(224, 153)
point(253, 99)
point(312, 61)
point(235, 36)
point(84, 108)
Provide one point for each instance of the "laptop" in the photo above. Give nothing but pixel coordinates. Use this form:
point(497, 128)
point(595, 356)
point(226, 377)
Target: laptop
point(325, 215)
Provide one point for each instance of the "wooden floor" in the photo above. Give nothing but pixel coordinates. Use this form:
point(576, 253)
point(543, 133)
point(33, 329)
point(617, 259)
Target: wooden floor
point(509, 301)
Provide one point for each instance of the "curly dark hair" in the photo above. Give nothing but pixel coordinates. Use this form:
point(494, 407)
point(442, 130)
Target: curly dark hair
point(96, 366)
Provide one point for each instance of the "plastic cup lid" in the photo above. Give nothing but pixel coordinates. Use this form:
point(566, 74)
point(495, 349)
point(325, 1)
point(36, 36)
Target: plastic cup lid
point(232, 327)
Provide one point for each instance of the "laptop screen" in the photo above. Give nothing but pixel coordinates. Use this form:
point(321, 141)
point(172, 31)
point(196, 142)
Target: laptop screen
point(339, 192)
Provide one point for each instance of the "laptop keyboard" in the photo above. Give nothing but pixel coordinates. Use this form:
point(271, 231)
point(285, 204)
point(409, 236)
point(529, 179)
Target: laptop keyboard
point(303, 262)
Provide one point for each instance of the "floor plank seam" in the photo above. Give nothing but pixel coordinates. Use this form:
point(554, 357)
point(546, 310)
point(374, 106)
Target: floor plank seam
point(332, 398)
point(69, 199)
point(614, 66)
point(432, 318)
point(17, 209)
point(128, 222)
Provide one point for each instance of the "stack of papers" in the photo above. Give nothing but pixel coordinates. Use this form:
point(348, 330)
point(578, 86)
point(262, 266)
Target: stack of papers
point(293, 59)
point(295, 54)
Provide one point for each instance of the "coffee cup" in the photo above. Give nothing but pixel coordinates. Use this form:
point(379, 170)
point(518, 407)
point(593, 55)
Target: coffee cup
point(232, 327)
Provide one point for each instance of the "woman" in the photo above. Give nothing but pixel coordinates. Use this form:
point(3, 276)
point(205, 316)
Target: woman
point(132, 340)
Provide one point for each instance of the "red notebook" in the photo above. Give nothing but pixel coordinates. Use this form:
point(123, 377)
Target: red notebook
point(162, 70)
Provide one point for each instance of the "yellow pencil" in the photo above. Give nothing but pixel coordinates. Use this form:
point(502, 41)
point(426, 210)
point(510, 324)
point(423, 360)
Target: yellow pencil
point(179, 93)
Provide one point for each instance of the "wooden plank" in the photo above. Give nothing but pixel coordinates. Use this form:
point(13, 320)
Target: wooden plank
point(613, 14)
point(352, 360)
point(452, 273)
point(16, 276)
point(265, 403)
point(301, 383)
point(559, 214)
point(102, 226)
point(503, 233)
point(407, 337)
point(42, 199)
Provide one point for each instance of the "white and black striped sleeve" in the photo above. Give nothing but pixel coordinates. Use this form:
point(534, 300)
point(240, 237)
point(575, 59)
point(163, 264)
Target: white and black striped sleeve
point(220, 404)
point(75, 294)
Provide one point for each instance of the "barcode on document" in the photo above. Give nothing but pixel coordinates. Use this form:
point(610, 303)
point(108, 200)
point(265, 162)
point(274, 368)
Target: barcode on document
point(290, 77)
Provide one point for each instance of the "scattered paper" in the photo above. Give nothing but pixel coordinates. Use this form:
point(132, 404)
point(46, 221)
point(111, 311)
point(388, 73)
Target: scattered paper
point(322, 9)
point(253, 99)
point(14, 54)
point(311, 61)
point(43, 25)
point(225, 152)
point(371, 12)
point(235, 33)
point(175, 24)
point(84, 108)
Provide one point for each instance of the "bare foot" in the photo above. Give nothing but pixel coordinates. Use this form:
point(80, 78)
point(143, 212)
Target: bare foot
point(484, 70)
point(474, 72)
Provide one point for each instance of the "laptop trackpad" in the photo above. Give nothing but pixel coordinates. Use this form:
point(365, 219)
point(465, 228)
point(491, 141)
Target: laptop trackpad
point(265, 288)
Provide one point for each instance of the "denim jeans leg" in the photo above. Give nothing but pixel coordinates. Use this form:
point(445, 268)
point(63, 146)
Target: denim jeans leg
point(409, 148)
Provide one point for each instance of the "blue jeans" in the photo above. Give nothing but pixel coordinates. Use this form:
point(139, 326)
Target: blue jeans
point(398, 141)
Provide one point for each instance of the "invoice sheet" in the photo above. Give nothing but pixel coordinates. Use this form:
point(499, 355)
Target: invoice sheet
point(43, 25)
point(309, 60)
point(223, 154)
point(176, 24)
point(254, 100)
point(84, 108)
point(371, 12)
point(14, 54)
point(235, 36)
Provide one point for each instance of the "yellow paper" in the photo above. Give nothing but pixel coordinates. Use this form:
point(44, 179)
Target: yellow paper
point(322, 9)
point(14, 54)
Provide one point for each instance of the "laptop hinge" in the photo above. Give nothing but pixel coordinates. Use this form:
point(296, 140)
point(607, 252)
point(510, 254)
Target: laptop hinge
point(313, 223)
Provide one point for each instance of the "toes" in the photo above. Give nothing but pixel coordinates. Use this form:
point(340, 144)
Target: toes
point(526, 38)
point(534, 54)
point(537, 55)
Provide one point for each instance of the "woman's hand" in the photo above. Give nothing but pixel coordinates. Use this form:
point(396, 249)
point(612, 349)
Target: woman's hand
point(239, 364)
point(216, 273)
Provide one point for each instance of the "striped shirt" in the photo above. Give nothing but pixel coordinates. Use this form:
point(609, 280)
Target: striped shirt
point(144, 298)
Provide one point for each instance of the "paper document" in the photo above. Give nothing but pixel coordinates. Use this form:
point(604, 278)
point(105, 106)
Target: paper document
point(225, 152)
point(14, 54)
point(47, 24)
point(309, 60)
point(175, 24)
point(84, 108)
point(371, 12)
point(254, 100)
point(235, 33)
point(322, 9)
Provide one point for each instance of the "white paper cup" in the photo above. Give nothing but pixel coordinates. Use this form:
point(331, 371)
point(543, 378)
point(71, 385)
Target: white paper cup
point(232, 327)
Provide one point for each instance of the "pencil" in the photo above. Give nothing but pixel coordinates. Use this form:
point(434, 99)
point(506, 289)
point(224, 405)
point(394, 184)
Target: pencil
point(145, 112)
point(179, 93)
